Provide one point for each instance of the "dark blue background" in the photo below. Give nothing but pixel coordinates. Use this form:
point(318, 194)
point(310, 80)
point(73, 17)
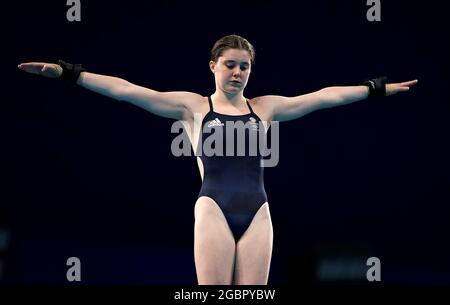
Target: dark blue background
point(90, 177)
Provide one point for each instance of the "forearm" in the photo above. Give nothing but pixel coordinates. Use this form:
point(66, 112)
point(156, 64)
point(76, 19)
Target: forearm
point(110, 86)
point(337, 96)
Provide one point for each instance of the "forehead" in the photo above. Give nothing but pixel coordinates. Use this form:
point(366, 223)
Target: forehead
point(236, 55)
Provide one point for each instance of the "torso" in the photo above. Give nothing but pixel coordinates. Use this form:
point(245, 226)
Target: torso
point(231, 169)
point(201, 109)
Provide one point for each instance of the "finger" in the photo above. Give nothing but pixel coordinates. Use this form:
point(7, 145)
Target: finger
point(396, 88)
point(29, 66)
point(32, 64)
point(409, 83)
point(399, 87)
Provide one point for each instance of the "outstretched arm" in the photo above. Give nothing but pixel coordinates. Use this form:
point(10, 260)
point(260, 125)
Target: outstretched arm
point(167, 104)
point(290, 108)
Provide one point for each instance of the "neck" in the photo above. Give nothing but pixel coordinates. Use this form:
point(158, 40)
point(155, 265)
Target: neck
point(232, 99)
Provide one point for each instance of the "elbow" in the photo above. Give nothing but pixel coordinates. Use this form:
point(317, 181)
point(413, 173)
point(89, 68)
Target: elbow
point(329, 97)
point(122, 92)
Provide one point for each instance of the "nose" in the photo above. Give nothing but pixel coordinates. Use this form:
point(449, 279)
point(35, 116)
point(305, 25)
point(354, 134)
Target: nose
point(237, 70)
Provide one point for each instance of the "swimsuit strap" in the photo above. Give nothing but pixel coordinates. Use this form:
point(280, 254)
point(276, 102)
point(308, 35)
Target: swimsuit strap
point(211, 108)
point(250, 107)
point(210, 104)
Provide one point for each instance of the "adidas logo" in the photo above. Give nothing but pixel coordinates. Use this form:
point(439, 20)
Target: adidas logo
point(215, 122)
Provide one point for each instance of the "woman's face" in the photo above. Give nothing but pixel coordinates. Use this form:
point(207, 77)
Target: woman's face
point(232, 70)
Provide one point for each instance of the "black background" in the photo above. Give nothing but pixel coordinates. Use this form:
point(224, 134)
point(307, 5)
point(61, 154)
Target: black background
point(90, 177)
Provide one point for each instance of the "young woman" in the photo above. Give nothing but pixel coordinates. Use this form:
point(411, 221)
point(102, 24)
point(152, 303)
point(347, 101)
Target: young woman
point(233, 229)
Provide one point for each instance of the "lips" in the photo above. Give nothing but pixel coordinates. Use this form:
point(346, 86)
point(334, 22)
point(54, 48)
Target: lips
point(235, 82)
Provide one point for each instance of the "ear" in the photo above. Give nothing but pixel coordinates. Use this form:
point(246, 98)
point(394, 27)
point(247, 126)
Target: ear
point(212, 66)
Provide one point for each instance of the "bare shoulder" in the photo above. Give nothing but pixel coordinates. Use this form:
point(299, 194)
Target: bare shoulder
point(190, 100)
point(195, 103)
point(266, 100)
point(264, 106)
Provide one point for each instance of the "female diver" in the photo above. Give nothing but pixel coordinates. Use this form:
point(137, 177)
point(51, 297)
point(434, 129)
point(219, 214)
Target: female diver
point(233, 230)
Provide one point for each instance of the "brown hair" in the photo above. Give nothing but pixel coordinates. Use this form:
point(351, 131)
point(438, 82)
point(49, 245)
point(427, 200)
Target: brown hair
point(232, 42)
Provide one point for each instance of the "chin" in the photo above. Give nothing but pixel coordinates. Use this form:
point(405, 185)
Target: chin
point(235, 89)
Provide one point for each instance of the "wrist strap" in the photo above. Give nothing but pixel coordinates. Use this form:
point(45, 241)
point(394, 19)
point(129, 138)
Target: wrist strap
point(71, 72)
point(377, 86)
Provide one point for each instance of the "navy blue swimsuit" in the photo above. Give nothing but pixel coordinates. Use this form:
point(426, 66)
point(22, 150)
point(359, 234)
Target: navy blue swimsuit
point(234, 182)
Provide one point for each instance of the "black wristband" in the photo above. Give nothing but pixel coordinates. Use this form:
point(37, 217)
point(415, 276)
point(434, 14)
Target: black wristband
point(71, 72)
point(377, 86)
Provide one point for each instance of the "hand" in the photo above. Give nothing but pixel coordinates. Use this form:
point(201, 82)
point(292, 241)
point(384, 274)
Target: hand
point(399, 87)
point(42, 68)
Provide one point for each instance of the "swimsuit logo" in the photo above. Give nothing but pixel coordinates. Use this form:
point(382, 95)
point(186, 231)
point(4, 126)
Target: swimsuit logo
point(253, 123)
point(215, 122)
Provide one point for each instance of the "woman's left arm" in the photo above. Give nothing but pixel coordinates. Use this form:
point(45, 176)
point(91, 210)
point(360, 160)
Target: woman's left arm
point(290, 108)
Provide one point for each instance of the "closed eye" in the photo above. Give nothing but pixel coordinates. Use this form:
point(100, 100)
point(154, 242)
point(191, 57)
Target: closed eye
point(231, 64)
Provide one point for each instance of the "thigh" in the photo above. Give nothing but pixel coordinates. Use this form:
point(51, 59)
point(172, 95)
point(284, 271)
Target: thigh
point(214, 245)
point(254, 250)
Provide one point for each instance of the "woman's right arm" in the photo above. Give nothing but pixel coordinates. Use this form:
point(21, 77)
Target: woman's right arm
point(175, 105)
